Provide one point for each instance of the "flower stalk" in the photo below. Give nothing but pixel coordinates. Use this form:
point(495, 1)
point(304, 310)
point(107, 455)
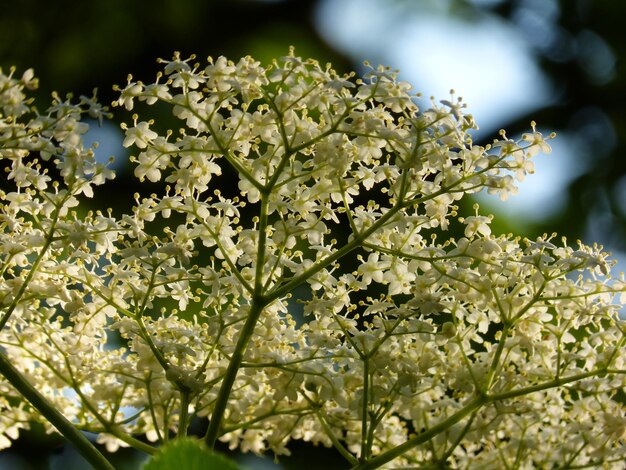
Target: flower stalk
point(53, 416)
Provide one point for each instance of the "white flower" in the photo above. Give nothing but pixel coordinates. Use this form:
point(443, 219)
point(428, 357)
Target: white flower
point(373, 269)
point(139, 135)
point(477, 225)
point(536, 142)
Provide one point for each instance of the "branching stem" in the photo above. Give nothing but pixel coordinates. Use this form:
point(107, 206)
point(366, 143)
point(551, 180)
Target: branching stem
point(48, 411)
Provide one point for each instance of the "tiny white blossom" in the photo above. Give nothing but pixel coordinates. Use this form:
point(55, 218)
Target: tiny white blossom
point(140, 135)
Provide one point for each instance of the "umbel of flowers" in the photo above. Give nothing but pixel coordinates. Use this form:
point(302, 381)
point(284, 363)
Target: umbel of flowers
point(414, 349)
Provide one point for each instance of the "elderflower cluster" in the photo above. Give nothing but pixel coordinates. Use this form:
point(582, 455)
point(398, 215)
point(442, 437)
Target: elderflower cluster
point(290, 187)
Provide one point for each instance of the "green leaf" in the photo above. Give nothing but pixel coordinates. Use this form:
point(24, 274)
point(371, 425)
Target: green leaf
point(188, 454)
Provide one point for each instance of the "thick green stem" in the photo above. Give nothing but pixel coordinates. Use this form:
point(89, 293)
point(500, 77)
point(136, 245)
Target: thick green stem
point(257, 304)
point(48, 411)
point(231, 373)
point(184, 414)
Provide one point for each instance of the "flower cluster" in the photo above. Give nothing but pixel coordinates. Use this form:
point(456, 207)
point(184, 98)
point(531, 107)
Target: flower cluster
point(315, 295)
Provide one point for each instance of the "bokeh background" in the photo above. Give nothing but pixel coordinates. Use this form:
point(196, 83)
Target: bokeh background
point(558, 62)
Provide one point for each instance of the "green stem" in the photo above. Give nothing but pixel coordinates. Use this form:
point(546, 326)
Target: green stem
point(184, 414)
point(495, 363)
point(29, 276)
point(557, 382)
point(131, 441)
point(364, 409)
point(356, 242)
point(148, 339)
point(48, 411)
point(258, 302)
point(231, 373)
point(397, 451)
point(329, 432)
point(470, 408)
